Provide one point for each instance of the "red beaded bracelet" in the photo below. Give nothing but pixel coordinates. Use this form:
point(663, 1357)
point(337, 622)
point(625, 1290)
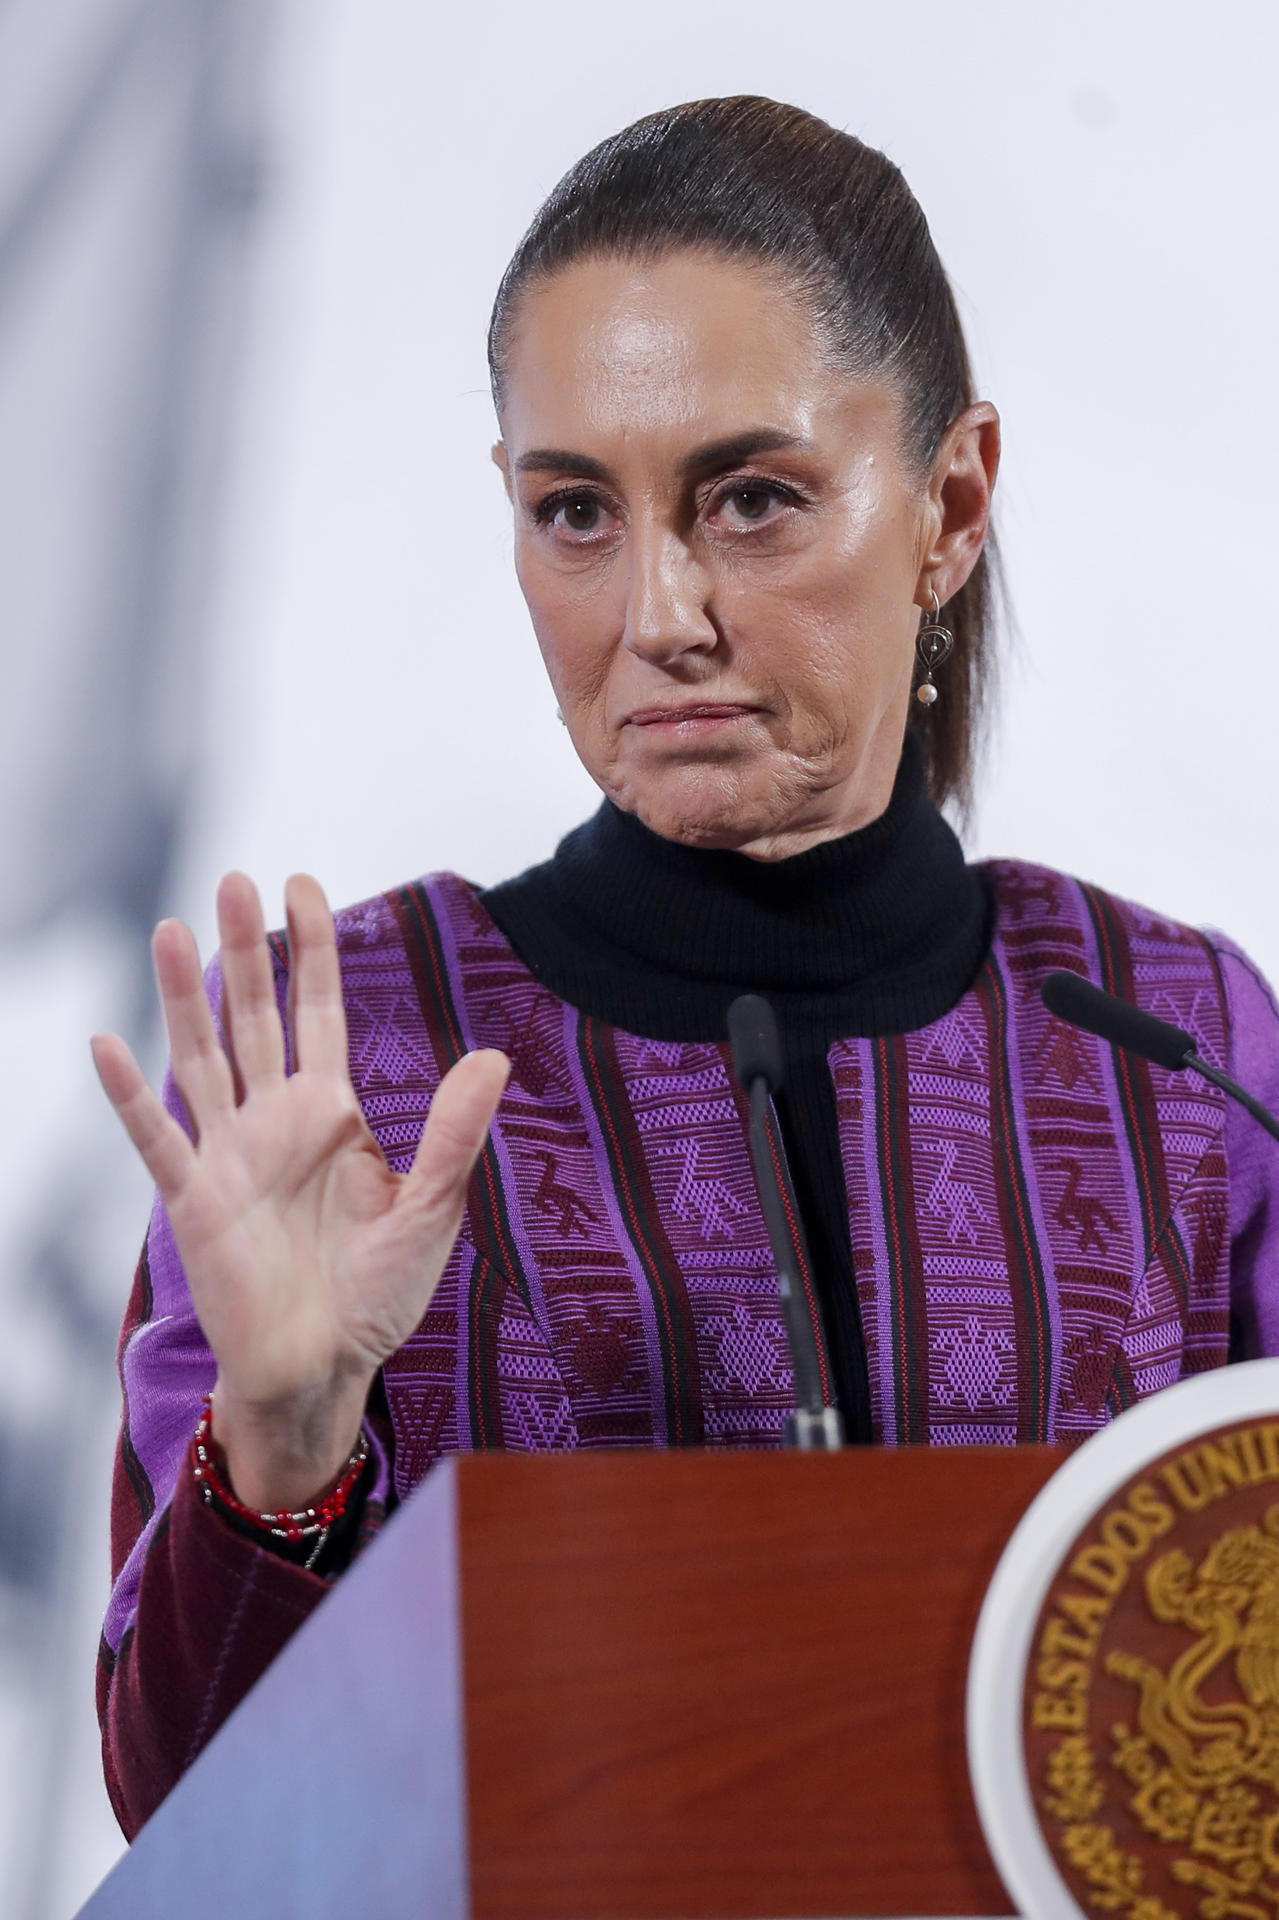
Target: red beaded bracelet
point(308, 1523)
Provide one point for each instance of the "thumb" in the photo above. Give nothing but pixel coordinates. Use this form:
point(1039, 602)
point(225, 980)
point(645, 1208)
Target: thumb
point(456, 1129)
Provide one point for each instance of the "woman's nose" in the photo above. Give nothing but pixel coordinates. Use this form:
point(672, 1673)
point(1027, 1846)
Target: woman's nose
point(667, 612)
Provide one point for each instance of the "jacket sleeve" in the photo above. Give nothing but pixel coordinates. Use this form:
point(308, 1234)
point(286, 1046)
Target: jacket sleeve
point(198, 1609)
point(1252, 1156)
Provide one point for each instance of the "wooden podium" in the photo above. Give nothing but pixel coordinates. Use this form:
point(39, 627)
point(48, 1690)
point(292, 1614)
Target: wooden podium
point(632, 1686)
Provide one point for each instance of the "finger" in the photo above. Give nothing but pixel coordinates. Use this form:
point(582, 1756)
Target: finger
point(197, 1056)
point(456, 1129)
point(250, 1014)
point(315, 980)
point(168, 1154)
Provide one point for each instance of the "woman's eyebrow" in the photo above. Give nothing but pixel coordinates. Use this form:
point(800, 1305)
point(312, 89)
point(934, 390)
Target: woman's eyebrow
point(717, 454)
point(556, 460)
point(743, 446)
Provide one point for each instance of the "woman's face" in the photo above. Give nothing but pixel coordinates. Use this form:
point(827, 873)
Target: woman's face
point(723, 547)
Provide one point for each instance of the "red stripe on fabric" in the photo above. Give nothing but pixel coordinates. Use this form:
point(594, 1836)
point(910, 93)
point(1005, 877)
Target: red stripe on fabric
point(443, 998)
point(1034, 1407)
point(485, 1232)
point(894, 1221)
point(1028, 1248)
point(1115, 978)
point(636, 1232)
point(477, 1397)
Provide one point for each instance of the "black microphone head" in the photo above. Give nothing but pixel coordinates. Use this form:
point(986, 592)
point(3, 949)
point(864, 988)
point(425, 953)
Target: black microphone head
point(757, 1045)
point(1077, 1000)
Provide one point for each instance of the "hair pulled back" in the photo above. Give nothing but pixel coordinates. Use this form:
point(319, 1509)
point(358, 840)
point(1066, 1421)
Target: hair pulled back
point(749, 178)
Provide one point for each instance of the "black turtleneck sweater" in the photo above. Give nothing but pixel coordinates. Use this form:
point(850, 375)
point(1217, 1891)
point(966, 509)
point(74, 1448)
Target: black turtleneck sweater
point(880, 932)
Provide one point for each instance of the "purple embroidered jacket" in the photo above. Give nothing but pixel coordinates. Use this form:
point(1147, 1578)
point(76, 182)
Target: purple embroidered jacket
point(1043, 1231)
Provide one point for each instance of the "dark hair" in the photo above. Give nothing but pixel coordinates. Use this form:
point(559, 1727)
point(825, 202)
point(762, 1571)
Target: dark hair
point(747, 177)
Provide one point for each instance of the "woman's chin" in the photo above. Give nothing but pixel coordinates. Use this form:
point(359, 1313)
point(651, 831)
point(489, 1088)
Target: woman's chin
point(702, 807)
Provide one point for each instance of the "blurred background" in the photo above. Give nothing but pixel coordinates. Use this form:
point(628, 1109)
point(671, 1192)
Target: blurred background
point(256, 605)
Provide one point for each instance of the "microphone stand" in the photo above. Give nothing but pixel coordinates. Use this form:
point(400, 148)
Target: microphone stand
point(1246, 1100)
point(813, 1425)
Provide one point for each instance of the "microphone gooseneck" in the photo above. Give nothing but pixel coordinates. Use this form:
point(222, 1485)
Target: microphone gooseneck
point(758, 1062)
point(1081, 1004)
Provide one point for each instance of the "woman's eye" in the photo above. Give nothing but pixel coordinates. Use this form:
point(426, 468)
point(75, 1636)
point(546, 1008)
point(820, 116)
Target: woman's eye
point(578, 516)
point(574, 515)
point(751, 503)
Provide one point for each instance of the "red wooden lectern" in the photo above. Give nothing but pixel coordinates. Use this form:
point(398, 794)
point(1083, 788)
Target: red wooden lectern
point(617, 1687)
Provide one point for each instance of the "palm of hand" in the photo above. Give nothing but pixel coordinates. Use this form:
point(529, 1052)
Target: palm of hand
point(299, 1257)
point(309, 1261)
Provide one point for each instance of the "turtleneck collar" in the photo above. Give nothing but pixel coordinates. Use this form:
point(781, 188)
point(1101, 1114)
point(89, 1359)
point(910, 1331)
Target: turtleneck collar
point(878, 932)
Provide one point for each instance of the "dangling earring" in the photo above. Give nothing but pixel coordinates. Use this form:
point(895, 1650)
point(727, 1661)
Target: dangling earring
point(933, 644)
point(559, 715)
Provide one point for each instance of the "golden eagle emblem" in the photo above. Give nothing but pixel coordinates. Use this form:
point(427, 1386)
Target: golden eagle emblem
point(1203, 1756)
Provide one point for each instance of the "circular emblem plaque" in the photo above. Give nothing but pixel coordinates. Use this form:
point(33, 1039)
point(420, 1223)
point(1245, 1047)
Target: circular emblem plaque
point(1124, 1691)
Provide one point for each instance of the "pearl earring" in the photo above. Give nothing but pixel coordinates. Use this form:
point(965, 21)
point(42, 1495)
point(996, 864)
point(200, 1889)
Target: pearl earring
point(933, 644)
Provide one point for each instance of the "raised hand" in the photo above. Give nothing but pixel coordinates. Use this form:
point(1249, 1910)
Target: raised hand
point(309, 1260)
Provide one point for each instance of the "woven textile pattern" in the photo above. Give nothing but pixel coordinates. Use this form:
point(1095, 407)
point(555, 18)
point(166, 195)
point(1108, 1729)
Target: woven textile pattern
point(627, 1296)
point(1039, 1231)
point(1041, 1228)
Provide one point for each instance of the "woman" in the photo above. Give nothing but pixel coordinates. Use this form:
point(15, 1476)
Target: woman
point(751, 489)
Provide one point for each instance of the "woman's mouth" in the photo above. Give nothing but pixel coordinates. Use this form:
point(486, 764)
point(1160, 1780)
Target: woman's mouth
point(688, 719)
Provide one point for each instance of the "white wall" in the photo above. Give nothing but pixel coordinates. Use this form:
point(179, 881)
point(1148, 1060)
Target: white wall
point(1100, 180)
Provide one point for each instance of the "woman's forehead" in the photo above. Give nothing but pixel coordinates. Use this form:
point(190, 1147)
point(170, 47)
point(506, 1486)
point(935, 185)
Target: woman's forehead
point(684, 348)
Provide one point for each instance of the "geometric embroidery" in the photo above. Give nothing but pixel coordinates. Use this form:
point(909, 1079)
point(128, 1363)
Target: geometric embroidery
point(954, 1201)
point(1066, 1056)
point(1019, 888)
point(668, 1053)
point(1089, 1368)
point(1080, 1211)
point(975, 1368)
point(425, 1409)
point(599, 1352)
point(380, 1046)
point(1000, 1228)
point(537, 1427)
point(551, 1196)
point(956, 1038)
point(533, 1065)
point(748, 1349)
point(1187, 1018)
point(702, 1196)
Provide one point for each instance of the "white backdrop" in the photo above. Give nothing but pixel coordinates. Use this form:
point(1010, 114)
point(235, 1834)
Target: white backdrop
point(1100, 181)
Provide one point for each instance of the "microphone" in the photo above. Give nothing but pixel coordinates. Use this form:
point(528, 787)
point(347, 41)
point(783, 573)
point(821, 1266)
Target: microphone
point(757, 1059)
point(1081, 1004)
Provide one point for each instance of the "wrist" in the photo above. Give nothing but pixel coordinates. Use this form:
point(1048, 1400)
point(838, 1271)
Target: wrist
point(285, 1455)
point(293, 1531)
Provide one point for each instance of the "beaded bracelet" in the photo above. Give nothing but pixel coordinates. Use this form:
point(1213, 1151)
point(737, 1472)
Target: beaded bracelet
point(308, 1523)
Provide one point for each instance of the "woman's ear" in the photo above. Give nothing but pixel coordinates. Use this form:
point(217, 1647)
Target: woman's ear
point(503, 465)
point(957, 510)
